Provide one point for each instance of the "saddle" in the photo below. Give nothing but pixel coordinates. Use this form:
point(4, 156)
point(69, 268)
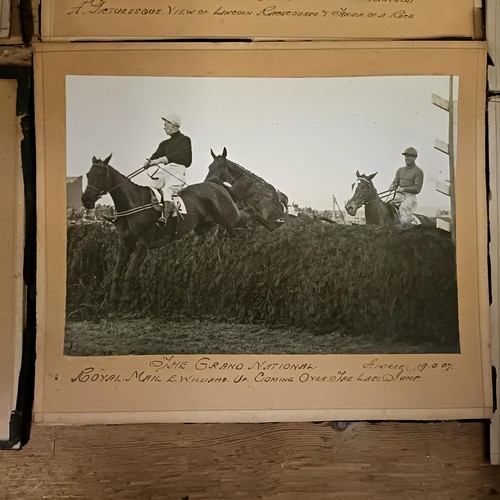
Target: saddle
point(156, 199)
point(415, 221)
point(157, 202)
point(394, 206)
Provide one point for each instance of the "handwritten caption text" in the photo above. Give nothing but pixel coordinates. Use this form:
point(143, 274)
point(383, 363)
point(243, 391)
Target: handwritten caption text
point(210, 370)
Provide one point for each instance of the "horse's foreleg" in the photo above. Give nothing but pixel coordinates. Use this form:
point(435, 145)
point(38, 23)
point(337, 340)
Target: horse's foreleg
point(121, 262)
point(249, 213)
point(273, 212)
point(134, 267)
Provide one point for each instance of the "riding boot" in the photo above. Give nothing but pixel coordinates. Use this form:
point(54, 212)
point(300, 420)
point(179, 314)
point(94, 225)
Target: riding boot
point(167, 211)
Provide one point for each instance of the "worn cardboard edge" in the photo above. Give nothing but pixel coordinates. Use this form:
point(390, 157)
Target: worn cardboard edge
point(14, 441)
point(482, 228)
point(41, 248)
point(237, 416)
point(267, 45)
point(494, 208)
point(20, 389)
point(493, 41)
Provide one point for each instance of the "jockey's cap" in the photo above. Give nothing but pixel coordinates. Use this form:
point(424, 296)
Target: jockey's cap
point(410, 152)
point(172, 118)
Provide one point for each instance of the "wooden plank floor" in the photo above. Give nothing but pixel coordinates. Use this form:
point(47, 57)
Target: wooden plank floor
point(245, 461)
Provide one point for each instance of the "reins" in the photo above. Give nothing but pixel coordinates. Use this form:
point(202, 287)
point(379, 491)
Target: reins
point(135, 210)
point(129, 176)
point(166, 171)
point(388, 195)
point(131, 211)
point(382, 194)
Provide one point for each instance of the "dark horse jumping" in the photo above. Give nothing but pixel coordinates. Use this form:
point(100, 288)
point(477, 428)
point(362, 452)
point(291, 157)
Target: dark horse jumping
point(248, 190)
point(376, 210)
point(206, 204)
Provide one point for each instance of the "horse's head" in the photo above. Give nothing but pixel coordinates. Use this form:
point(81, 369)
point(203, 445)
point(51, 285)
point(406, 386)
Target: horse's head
point(219, 170)
point(363, 191)
point(97, 181)
point(248, 189)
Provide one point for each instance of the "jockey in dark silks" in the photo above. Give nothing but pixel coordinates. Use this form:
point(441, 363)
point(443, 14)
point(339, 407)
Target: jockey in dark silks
point(168, 164)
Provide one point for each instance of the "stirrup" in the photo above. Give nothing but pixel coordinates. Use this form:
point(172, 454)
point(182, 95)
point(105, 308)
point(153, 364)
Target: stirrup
point(162, 221)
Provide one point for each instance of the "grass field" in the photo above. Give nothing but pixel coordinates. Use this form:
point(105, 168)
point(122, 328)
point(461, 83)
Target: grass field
point(308, 287)
point(153, 336)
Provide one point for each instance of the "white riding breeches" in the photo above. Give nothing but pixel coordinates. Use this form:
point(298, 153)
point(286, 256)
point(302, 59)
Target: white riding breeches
point(407, 203)
point(169, 178)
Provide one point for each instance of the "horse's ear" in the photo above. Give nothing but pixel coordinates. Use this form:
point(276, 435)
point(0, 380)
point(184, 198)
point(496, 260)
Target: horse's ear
point(358, 174)
point(213, 154)
point(94, 159)
point(106, 161)
point(372, 176)
point(224, 153)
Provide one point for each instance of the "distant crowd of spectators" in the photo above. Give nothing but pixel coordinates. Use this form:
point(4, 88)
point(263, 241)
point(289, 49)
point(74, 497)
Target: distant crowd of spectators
point(85, 215)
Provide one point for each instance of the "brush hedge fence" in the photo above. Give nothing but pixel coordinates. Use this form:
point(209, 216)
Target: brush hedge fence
point(325, 278)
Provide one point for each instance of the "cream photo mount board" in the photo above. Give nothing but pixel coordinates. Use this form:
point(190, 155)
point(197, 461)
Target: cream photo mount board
point(12, 256)
point(395, 343)
point(254, 19)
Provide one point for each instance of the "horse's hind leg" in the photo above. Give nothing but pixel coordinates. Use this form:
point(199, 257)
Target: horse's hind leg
point(124, 252)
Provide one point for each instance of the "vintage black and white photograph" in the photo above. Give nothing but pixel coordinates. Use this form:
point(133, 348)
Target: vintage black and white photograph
point(261, 215)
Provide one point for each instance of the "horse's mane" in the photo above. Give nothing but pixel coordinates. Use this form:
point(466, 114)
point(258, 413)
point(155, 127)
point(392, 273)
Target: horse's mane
point(242, 170)
point(125, 178)
point(246, 184)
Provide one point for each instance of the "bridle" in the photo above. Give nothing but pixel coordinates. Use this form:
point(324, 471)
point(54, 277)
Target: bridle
point(230, 176)
point(372, 193)
point(100, 192)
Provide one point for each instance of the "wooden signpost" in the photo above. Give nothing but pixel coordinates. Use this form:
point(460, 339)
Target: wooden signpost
point(448, 148)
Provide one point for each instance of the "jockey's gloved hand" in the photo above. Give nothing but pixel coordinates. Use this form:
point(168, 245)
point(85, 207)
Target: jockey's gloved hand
point(146, 164)
point(157, 161)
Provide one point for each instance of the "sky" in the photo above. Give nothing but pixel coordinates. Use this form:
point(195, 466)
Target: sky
point(306, 136)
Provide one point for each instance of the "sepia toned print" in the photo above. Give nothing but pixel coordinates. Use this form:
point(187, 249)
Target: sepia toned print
point(302, 264)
